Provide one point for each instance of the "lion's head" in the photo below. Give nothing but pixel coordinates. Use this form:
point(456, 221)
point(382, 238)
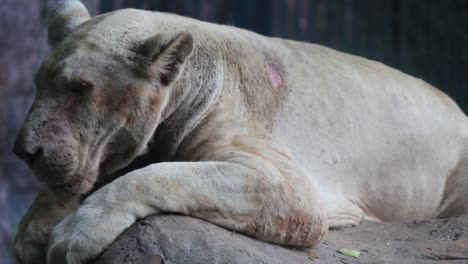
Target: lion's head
point(100, 95)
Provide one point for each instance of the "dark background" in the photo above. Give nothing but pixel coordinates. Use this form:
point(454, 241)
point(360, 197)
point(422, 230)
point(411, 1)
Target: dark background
point(425, 38)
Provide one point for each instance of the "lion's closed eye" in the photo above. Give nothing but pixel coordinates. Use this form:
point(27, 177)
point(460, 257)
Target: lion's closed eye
point(78, 86)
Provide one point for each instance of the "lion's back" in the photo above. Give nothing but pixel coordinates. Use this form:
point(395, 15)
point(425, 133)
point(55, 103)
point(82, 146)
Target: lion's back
point(362, 129)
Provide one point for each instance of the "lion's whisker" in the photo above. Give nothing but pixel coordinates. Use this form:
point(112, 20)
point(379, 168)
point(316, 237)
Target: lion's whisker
point(68, 188)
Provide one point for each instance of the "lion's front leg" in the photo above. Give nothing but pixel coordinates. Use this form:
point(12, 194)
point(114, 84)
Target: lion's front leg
point(244, 192)
point(35, 227)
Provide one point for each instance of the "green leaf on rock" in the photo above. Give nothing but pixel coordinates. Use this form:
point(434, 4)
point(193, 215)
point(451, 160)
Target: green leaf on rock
point(349, 252)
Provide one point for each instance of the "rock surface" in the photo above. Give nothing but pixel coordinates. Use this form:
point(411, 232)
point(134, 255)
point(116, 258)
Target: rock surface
point(180, 239)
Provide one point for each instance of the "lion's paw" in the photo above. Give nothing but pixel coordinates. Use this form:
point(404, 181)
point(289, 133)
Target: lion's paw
point(83, 235)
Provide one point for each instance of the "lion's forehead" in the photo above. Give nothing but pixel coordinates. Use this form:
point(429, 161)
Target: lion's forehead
point(112, 31)
point(62, 67)
point(95, 52)
point(83, 61)
point(111, 38)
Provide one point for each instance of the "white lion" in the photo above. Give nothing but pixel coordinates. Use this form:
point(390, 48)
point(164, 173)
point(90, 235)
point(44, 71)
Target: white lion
point(273, 138)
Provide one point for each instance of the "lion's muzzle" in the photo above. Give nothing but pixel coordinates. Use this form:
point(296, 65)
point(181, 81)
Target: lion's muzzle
point(29, 153)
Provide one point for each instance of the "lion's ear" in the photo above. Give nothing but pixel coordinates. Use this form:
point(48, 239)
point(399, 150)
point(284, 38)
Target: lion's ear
point(64, 18)
point(164, 55)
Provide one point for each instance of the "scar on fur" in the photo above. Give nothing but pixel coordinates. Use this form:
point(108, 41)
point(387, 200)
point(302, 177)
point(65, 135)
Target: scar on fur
point(274, 74)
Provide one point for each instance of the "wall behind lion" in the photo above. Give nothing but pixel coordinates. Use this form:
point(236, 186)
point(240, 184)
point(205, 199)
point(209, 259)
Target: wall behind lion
point(425, 38)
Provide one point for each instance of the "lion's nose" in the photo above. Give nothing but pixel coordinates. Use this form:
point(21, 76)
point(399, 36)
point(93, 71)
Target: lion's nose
point(27, 153)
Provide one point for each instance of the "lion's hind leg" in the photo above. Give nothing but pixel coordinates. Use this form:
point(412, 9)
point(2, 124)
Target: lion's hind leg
point(455, 200)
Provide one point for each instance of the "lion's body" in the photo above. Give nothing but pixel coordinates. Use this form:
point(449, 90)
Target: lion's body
point(273, 138)
point(376, 142)
point(365, 134)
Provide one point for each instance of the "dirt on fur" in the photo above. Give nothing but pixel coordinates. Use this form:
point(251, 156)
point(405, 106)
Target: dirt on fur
point(181, 239)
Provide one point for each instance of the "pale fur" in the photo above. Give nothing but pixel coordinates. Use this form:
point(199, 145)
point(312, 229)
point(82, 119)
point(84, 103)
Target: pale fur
point(272, 138)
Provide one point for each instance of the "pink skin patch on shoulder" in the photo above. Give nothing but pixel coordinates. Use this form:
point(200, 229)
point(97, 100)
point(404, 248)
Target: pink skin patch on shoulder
point(275, 76)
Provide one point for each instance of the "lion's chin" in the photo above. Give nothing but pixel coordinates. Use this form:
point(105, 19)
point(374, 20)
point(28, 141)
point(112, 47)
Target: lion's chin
point(74, 187)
